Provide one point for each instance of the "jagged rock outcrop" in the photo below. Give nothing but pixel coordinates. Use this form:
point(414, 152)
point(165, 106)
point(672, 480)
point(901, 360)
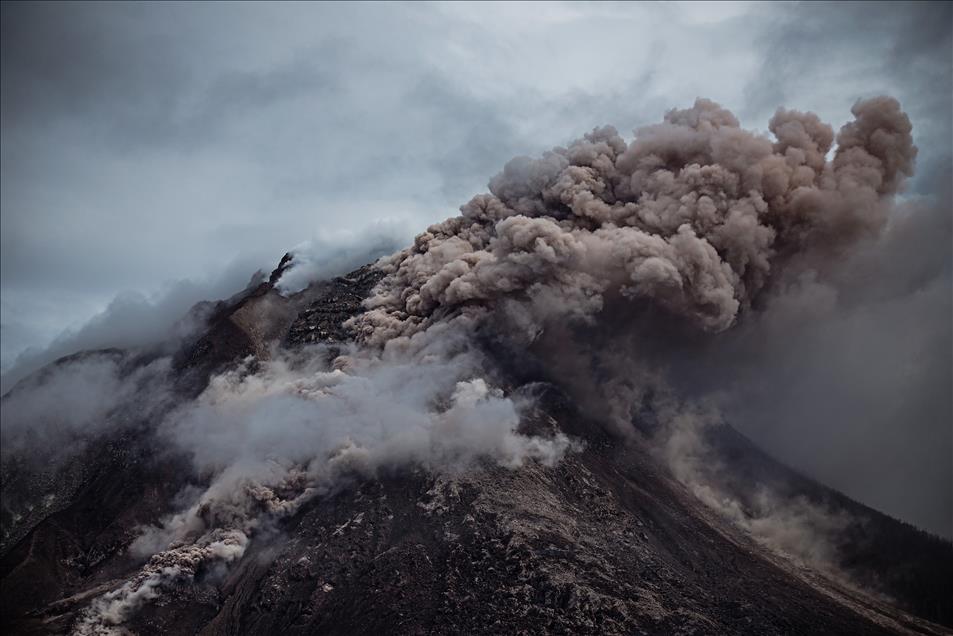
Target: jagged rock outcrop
point(337, 300)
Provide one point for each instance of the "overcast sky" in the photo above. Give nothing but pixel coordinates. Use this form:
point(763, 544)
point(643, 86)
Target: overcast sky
point(144, 145)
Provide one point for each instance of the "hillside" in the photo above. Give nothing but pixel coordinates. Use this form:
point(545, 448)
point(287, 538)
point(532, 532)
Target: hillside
point(603, 541)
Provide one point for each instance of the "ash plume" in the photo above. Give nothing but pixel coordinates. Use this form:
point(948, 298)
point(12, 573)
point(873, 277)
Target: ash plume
point(806, 531)
point(695, 215)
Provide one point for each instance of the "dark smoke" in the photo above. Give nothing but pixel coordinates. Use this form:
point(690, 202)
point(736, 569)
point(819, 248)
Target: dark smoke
point(695, 215)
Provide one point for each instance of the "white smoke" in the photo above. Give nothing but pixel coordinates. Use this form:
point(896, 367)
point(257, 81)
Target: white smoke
point(272, 435)
point(135, 320)
point(333, 253)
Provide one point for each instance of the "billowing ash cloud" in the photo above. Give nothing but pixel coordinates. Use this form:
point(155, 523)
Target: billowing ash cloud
point(693, 215)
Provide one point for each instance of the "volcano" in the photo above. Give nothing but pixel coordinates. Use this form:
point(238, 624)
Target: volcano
point(482, 433)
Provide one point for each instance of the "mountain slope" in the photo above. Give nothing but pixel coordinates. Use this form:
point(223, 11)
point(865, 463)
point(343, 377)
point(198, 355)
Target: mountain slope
point(604, 541)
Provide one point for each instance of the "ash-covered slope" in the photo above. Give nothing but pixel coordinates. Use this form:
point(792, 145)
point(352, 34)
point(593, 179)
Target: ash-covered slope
point(604, 541)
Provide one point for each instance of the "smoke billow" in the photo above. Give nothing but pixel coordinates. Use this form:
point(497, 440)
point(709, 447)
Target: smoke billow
point(294, 428)
point(694, 221)
point(178, 564)
point(693, 216)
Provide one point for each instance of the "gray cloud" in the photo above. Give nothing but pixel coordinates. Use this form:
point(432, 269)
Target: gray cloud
point(133, 320)
point(56, 412)
point(206, 133)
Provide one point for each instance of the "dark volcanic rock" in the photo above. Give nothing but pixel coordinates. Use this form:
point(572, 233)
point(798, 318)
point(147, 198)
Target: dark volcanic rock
point(337, 300)
point(235, 328)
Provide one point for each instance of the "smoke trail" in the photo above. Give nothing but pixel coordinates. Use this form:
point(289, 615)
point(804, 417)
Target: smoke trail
point(795, 527)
